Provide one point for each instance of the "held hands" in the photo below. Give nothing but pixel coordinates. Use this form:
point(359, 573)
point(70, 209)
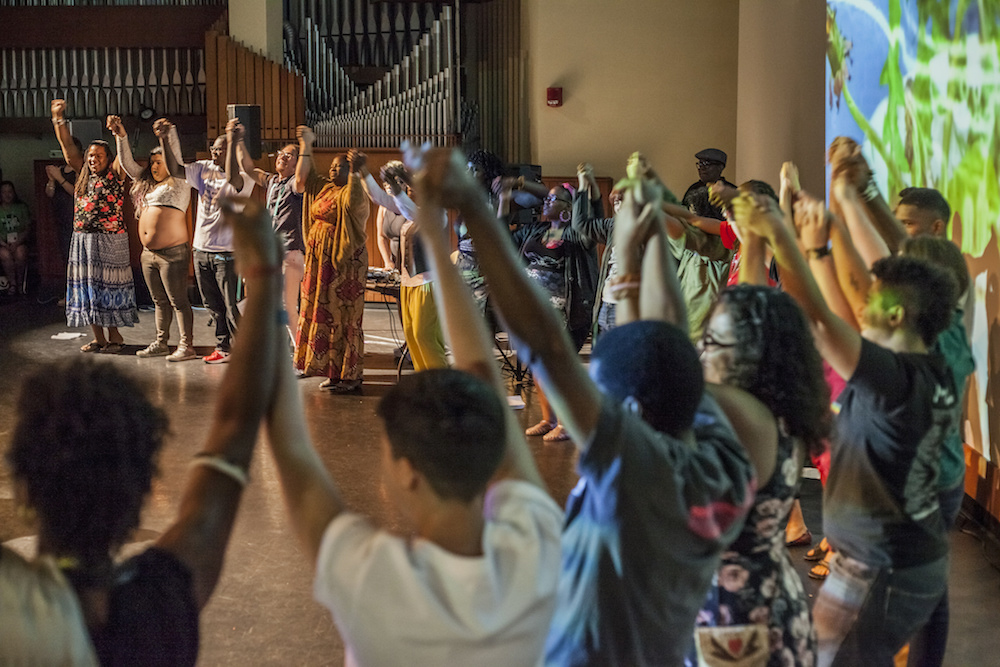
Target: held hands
point(755, 213)
point(234, 128)
point(440, 176)
point(357, 160)
point(114, 124)
point(305, 136)
point(54, 173)
point(812, 221)
point(58, 108)
point(162, 127)
point(848, 167)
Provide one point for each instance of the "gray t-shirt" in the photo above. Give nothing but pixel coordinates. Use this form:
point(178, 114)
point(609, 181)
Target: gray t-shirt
point(645, 529)
point(880, 505)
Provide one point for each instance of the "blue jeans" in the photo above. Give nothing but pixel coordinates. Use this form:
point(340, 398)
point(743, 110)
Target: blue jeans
point(928, 646)
point(864, 615)
point(215, 273)
point(606, 317)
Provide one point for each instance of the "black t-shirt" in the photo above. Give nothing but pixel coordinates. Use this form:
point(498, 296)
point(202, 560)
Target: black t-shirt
point(152, 614)
point(880, 505)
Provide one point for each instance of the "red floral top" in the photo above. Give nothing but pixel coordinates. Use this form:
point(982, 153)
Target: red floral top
point(99, 209)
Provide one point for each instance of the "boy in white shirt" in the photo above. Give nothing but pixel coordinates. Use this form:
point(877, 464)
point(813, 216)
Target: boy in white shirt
point(476, 582)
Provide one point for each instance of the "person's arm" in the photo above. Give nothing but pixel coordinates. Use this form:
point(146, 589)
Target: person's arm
point(72, 154)
point(853, 274)
point(57, 179)
point(124, 149)
point(837, 342)
point(234, 135)
point(211, 497)
point(376, 193)
point(753, 268)
point(526, 310)
point(869, 243)
point(246, 165)
point(170, 143)
point(755, 426)
point(471, 344)
point(304, 168)
point(382, 241)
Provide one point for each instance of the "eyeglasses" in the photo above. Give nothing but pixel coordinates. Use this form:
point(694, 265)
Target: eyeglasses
point(707, 163)
point(708, 340)
point(281, 154)
point(216, 151)
point(553, 198)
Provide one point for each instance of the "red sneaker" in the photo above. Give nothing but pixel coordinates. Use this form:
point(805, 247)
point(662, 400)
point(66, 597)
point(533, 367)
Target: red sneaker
point(217, 357)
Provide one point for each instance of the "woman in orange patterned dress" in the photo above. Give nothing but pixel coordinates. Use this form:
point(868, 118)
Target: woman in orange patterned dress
point(329, 339)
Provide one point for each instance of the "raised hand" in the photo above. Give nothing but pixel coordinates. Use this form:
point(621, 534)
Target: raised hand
point(114, 123)
point(305, 135)
point(53, 172)
point(756, 213)
point(234, 128)
point(848, 165)
point(812, 221)
point(357, 160)
point(720, 194)
point(440, 176)
point(58, 108)
point(162, 127)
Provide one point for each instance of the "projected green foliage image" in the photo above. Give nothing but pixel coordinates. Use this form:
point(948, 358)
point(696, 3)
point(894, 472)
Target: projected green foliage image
point(917, 84)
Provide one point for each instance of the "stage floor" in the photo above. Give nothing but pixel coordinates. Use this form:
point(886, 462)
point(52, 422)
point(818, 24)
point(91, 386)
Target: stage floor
point(262, 612)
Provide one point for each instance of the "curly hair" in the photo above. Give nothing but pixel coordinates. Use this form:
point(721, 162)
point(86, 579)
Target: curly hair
point(85, 445)
point(776, 360)
point(488, 163)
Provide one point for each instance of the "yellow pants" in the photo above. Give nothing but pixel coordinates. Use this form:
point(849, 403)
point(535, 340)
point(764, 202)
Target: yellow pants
point(422, 328)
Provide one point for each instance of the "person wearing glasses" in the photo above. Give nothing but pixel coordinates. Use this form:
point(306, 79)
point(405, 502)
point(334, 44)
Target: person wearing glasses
point(711, 163)
point(215, 267)
point(563, 262)
point(285, 206)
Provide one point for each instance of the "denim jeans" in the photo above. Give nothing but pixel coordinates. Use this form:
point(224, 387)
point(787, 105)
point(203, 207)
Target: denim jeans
point(166, 274)
point(215, 273)
point(606, 317)
point(864, 615)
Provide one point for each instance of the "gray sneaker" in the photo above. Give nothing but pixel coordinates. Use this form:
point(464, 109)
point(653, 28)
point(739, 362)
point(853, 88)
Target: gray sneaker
point(154, 349)
point(182, 354)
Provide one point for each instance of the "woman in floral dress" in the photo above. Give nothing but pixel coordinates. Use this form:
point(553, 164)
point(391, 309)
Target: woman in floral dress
point(757, 339)
point(329, 339)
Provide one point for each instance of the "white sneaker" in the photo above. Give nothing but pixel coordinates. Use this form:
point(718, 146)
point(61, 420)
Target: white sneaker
point(182, 354)
point(154, 349)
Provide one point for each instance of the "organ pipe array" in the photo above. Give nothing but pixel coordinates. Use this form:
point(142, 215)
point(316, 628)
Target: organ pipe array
point(97, 82)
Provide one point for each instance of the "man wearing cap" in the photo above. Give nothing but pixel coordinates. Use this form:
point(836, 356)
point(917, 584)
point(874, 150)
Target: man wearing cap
point(711, 162)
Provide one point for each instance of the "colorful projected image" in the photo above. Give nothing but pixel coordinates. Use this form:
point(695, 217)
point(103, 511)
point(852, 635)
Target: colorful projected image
point(917, 84)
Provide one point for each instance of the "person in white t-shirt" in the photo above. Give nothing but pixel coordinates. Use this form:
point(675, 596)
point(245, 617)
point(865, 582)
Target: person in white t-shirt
point(214, 263)
point(475, 582)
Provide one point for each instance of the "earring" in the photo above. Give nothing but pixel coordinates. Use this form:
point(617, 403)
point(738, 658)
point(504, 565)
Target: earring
point(567, 217)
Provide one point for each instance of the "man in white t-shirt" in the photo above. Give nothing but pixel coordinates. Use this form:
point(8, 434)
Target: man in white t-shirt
point(214, 264)
point(475, 582)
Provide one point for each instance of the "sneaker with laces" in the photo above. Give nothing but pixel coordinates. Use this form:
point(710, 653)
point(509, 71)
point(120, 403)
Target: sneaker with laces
point(182, 354)
point(154, 349)
point(217, 357)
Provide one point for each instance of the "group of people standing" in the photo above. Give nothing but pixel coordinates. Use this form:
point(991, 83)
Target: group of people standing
point(691, 435)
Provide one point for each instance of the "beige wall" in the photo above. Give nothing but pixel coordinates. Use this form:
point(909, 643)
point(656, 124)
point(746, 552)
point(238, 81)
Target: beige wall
point(652, 75)
point(258, 24)
point(780, 94)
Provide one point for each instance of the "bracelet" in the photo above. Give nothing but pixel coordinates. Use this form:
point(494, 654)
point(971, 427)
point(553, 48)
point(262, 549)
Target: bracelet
point(819, 253)
point(261, 271)
point(871, 190)
point(221, 465)
point(305, 154)
point(60, 121)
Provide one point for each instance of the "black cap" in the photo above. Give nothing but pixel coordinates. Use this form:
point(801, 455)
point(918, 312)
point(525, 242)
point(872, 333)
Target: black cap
point(713, 154)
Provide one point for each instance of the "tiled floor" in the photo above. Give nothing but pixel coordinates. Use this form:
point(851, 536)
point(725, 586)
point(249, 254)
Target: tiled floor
point(262, 613)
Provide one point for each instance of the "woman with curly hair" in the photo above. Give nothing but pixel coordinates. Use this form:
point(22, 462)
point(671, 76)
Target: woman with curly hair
point(757, 339)
point(83, 456)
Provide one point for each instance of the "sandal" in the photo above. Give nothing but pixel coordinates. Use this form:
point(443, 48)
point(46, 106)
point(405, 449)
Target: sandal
point(558, 434)
point(92, 346)
point(803, 540)
point(541, 428)
point(818, 552)
point(113, 348)
point(820, 570)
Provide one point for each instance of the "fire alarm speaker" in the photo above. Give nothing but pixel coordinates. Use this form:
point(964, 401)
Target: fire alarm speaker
point(249, 117)
point(554, 97)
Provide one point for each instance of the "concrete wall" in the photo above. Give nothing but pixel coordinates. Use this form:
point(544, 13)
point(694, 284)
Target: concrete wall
point(652, 75)
point(780, 94)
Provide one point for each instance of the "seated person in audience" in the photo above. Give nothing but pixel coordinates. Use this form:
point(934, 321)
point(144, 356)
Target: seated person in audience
point(665, 484)
point(15, 223)
point(84, 453)
point(475, 584)
point(881, 508)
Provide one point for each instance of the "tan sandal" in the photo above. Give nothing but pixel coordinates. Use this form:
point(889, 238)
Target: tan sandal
point(558, 434)
point(92, 346)
point(820, 570)
point(541, 428)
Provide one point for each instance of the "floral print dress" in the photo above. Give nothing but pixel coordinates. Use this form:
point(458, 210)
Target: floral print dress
point(756, 612)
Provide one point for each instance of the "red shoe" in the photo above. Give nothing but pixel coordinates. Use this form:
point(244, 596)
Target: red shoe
point(217, 357)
